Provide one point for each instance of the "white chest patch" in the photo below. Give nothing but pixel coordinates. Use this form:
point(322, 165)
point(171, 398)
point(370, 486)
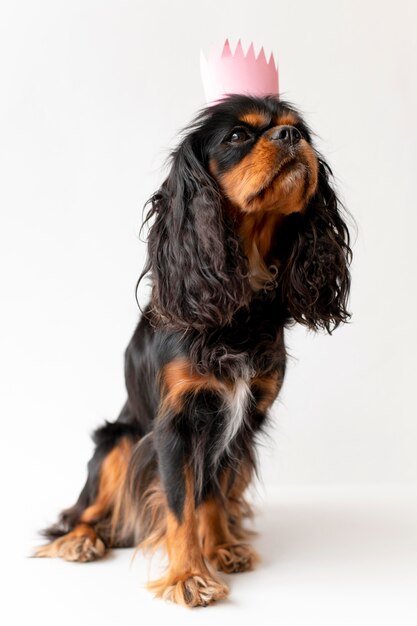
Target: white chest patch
point(237, 402)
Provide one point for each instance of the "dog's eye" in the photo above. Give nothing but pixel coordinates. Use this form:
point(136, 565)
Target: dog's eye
point(239, 135)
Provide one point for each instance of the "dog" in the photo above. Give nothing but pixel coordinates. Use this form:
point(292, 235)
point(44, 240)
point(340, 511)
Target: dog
point(246, 237)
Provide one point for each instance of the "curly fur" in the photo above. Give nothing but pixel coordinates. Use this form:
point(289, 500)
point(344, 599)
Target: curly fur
point(198, 269)
point(315, 281)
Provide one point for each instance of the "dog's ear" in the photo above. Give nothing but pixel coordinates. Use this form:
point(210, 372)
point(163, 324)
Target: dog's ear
point(196, 263)
point(315, 278)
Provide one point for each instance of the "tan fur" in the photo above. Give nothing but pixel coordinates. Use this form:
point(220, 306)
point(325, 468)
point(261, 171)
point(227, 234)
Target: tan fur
point(254, 119)
point(269, 386)
point(288, 119)
point(188, 580)
point(81, 544)
point(265, 181)
point(179, 379)
point(238, 508)
point(256, 231)
point(223, 549)
point(112, 474)
point(153, 517)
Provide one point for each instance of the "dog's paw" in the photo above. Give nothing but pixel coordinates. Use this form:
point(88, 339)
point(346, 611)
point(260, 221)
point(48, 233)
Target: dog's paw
point(81, 544)
point(190, 590)
point(233, 558)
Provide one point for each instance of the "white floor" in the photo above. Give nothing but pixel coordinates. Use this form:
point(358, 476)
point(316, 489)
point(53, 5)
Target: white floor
point(339, 555)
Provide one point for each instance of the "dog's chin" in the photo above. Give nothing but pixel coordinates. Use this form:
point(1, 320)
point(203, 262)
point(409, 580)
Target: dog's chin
point(283, 192)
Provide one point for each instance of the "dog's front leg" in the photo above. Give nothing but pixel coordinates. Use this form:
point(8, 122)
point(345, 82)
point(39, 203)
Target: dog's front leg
point(189, 580)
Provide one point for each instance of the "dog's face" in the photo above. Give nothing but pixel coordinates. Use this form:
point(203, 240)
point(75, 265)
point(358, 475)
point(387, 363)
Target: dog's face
point(261, 156)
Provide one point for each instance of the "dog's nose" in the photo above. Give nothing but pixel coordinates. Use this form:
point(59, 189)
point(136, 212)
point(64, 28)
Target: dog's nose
point(286, 134)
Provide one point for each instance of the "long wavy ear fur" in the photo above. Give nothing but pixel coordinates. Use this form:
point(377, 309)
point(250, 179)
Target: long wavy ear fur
point(196, 263)
point(315, 278)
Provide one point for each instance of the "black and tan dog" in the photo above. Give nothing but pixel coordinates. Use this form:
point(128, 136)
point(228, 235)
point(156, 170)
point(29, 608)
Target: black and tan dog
point(246, 237)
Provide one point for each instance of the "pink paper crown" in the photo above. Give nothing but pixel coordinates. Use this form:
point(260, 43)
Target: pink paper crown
point(226, 73)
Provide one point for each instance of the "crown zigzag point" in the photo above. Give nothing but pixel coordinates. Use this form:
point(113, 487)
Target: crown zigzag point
point(239, 73)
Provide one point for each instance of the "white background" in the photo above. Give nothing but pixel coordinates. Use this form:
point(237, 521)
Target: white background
point(92, 96)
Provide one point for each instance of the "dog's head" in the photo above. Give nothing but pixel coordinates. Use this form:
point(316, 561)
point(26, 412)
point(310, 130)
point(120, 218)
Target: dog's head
point(248, 206)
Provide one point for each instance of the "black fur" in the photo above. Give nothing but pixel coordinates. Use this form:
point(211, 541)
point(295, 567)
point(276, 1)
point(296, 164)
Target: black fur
point(193, 248)
point(314, 247)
